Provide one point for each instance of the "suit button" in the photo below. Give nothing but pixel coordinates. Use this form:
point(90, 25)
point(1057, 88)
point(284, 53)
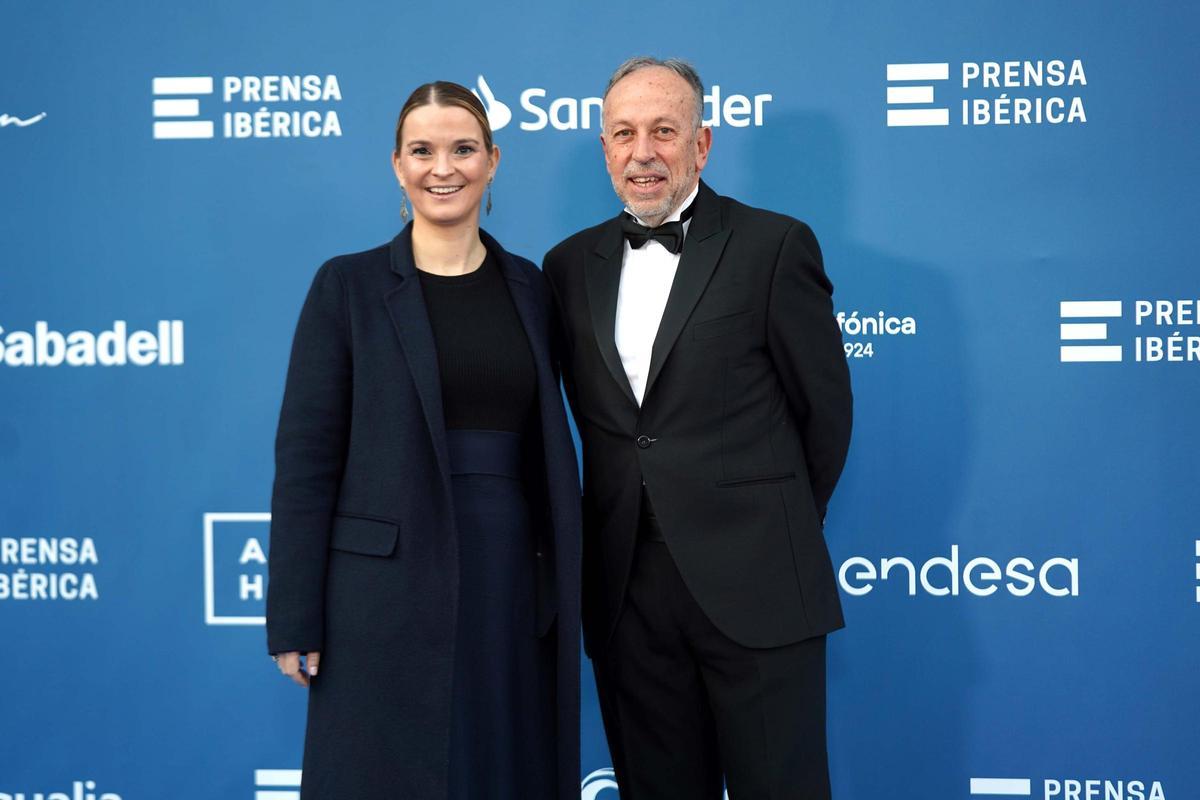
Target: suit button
point(644, 441)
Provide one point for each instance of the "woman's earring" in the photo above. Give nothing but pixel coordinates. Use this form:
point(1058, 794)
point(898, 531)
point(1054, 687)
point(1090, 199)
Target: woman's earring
point(403, 204)
point(489, 203)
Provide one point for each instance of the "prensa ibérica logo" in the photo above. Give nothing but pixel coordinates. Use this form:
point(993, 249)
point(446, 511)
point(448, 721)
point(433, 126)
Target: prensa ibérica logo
point(254, 107)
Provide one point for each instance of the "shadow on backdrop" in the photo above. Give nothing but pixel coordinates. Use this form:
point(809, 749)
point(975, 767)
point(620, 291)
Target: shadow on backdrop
point(901, 658)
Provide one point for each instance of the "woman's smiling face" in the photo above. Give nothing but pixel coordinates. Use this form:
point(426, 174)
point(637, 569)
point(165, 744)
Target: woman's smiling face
point(443, 164)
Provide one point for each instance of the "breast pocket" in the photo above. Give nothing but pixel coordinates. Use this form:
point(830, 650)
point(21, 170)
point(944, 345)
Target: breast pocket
point(366, 536)
point(723, 326)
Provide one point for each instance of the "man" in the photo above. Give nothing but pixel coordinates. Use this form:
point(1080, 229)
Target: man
point(707, 377)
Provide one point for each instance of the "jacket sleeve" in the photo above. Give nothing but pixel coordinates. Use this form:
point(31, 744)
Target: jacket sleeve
point(310, 455)
point(806, 348)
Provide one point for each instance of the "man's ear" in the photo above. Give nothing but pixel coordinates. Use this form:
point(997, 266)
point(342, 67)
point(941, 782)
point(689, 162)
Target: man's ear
point(703, 145)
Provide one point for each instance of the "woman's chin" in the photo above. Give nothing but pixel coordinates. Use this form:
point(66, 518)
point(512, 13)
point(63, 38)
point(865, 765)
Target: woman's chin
point(449, 217)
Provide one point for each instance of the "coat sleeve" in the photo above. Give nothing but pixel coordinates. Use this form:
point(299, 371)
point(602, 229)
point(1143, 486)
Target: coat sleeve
point(310, 455)
point(806, 348)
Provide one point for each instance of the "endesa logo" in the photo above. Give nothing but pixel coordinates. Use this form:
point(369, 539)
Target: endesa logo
point(981, 576)
point(583, 113)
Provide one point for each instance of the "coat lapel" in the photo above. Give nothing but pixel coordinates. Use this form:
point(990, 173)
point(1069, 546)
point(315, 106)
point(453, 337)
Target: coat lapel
point(527, 308)
point(603, 279)
point(702, 250)
point(533, 318)
point(406, 306)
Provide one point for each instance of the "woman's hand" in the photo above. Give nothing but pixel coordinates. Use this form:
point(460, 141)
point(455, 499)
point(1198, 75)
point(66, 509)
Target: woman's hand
point(289, 664)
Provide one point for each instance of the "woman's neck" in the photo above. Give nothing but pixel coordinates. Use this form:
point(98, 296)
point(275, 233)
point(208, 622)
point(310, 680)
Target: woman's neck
point(447, 250)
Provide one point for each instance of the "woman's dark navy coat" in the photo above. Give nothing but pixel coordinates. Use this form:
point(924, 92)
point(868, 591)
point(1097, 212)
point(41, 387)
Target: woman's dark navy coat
point(363, 558)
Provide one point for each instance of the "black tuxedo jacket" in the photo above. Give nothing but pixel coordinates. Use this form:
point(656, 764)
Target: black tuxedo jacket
point(742, 433)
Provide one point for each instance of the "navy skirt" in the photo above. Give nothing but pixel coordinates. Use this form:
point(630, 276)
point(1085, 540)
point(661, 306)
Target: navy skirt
point(503, 715)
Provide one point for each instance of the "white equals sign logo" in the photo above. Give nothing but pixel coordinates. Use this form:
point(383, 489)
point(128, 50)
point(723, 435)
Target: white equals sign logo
point(910, 95)
point(276, 778)
point(1088, 331)
point(177, 111)
point(1008, 787)
point(1198, 570)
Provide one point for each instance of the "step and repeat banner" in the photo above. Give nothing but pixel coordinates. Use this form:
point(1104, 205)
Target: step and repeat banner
point(1006, 196)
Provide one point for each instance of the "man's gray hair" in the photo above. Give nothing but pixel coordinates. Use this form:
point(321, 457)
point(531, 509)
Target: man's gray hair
point(677, 65)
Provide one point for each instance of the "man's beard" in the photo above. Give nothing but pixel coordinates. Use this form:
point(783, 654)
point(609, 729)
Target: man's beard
point(656, 213)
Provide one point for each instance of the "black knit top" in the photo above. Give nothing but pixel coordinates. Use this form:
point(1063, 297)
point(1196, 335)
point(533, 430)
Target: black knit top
point(487, 371)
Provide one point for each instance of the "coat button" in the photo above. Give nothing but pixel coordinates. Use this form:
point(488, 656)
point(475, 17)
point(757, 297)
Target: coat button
point(644, 441)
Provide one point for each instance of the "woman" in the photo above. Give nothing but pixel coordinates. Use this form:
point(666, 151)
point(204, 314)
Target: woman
point(425, 518)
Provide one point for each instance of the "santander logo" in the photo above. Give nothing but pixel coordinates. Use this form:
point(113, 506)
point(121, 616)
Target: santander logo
point(596, 782)
point(539, 111)
point(498, 113)
point(599, 781)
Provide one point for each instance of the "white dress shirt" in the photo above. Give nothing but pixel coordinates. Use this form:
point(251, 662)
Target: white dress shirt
point(646, 278)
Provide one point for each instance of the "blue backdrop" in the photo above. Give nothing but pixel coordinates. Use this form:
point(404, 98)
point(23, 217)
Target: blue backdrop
point(1006, 198)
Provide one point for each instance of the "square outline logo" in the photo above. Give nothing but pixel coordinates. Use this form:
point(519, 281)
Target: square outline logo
point(210, 615)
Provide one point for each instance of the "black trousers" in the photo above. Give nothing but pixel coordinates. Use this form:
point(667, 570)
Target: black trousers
point(684, 706)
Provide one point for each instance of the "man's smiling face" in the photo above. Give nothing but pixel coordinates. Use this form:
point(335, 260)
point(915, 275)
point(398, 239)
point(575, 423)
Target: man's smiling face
point(653, 144)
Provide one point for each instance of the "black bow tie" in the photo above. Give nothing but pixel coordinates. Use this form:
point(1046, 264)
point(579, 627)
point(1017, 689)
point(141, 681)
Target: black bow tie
point(669, 234)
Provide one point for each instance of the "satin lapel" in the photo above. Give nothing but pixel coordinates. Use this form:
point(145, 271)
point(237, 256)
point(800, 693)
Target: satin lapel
point(603, 278)
point(702, 250)
point(406, 306)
